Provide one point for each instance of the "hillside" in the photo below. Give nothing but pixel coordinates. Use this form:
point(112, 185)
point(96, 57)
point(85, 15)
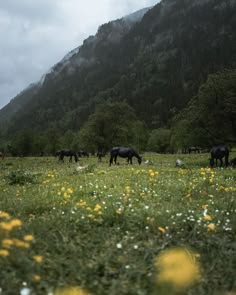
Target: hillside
point(155, 62)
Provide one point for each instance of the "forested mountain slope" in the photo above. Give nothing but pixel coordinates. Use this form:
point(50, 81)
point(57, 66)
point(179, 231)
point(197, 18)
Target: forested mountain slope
point(155, 61)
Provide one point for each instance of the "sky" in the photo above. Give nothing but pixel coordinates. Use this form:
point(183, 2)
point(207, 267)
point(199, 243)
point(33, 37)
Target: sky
point(36, 34)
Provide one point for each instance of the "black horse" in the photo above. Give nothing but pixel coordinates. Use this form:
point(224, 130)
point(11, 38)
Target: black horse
point(82, 153)
point(67, 153)
point(124, 152)
point(194, 149)
point(218, 153)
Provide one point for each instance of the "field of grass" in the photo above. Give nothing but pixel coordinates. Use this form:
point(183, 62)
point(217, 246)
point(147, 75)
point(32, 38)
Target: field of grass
point(105, 230)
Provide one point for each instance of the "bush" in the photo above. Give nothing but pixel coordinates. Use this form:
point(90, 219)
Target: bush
point(21, 177)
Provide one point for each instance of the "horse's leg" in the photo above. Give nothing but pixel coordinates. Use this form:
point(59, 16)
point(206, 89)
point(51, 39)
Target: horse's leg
point(115, 159)
point(111, 160)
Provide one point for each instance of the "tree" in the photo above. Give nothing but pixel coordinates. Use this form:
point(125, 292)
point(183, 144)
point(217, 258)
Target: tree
point(110, 125)
point(159, 140)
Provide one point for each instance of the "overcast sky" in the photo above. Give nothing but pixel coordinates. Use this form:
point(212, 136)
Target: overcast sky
point(36, 34)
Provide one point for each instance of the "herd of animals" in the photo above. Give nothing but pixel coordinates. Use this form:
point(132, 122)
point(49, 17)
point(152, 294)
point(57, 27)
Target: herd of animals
point(217, 153)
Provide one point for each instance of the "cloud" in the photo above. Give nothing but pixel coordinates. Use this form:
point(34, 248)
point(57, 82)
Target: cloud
point(37, 34)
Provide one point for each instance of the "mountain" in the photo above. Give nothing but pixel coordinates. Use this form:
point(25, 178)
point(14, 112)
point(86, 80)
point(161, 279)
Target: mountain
point(154, 59)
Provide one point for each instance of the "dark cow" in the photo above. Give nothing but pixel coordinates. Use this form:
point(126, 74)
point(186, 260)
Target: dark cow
point(124, 152)
point(67, 153)
point(218, 153)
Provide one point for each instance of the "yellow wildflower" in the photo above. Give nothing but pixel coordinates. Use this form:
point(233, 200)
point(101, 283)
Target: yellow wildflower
point(177, 267)
point(38, 258)
point(71, 291)
point(207, 217)
point(161, 229)
point(4, 215)
point(21, 244)
point(36, 278)
point(4, 252)
point(28, 238)
point(97, 208)
point(70, 191)
point(211, 226)
point(7, 243)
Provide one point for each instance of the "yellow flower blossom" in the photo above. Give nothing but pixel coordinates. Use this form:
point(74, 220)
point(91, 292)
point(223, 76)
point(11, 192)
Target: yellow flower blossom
point(4, 215)
point(8, 226)
point(177, 267)
point(161, 229)
point(20, 244)
point(70, 191)
point(71, 291)
point(36, 278)
point(7, 243)
point(207, 217)
point(28, 238)
point(211, 226)
point(4, 252)
point(97, 208)
point(38, 258)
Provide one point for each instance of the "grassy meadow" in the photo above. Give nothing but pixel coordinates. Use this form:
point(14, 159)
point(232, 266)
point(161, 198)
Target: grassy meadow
point(125, 229)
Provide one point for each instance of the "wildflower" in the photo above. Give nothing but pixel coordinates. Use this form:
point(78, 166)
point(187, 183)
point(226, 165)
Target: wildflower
point(177, 267)
point(4, 252)
point(25, 291)
point(70, 191)
point(118, 245)
point(161, 229)
point(20, 244)
point(207, 217)
point(36, 278)
point(118, 211)
point(211, 226)
point(28, 238)
point(71, 291)
point(7, 243)
point(8, 226)
point(4, 215)
point(97, 208)
point(38, 258)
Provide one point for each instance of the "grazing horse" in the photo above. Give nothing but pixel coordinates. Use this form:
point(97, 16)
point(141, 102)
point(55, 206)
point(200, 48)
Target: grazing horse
point(194, 149)
point(67, 153)
point(124, 152)
point(219, 152)
point(1, 155)
point(82, 153)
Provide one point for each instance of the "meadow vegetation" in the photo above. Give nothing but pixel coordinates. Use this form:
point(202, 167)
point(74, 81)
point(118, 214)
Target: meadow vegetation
point(95, 229)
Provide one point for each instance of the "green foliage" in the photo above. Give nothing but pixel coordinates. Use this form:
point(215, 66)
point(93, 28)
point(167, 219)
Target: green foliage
point(110, 125)
point(21, 177)
point(210, 116)
point(159, 141)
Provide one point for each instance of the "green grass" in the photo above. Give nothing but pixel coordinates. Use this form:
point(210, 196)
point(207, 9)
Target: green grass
point(102, 227)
